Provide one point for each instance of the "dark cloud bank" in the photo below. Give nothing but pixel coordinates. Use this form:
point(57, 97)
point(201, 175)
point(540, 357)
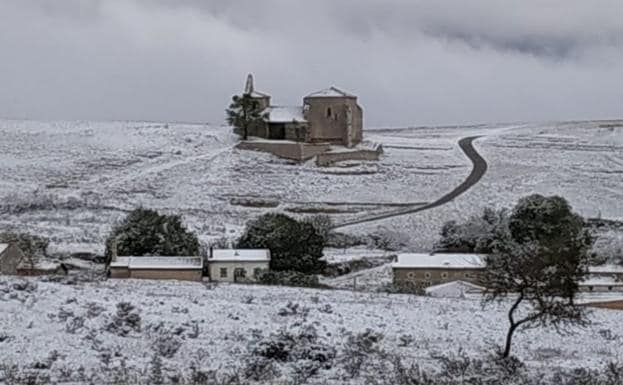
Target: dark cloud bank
point(411, 62)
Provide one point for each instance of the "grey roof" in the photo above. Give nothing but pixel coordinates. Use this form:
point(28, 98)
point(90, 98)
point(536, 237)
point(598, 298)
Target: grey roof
point(149, 262)
point(240, 255)
point(331, 92)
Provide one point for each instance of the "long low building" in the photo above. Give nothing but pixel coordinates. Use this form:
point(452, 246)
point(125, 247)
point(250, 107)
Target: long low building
point(180, 268)
point(419, 271)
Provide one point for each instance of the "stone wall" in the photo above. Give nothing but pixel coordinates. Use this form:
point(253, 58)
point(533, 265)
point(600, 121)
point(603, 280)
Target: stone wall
point(329, 158)
point(285, 149)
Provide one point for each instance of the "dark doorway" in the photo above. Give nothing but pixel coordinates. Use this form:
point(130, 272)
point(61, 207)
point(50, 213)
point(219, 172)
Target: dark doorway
point(277, 131)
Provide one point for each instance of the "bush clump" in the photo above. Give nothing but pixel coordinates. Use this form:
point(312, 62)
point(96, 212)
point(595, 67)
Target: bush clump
point(288, 278)
point(147, 232)
point(294, 245)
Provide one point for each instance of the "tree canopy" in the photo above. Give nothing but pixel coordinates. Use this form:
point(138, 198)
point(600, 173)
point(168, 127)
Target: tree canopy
point(147, 232)
point(539, 263)
point(244, 112)
point(294, 245)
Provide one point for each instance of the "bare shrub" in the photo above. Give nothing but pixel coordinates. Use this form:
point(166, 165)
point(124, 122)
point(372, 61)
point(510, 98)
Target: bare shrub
point(293, 308)
point(358, 349)
point(167, 345)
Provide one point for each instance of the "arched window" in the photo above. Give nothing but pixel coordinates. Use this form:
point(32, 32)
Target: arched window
point(329, 112)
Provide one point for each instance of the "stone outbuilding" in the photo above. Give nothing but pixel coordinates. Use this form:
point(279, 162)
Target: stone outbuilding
point(10, 258)
point(237, 265)
point(151, 267)
point(419, 271)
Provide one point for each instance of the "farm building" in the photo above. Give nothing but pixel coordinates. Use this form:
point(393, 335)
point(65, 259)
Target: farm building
point(237, 265)
point(10, 257)
point(419, 271)
point(179, 268)
point(454, 289)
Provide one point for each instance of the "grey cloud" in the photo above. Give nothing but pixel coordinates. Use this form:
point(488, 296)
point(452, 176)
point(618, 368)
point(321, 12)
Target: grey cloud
point(410, 61)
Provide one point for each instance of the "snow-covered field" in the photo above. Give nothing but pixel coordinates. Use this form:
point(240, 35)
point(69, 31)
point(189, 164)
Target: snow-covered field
point(59, 328)
point(72, 180)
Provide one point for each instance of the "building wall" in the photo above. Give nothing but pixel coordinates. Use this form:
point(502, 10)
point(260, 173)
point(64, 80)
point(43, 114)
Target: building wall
point(119, 272)
point(214, 269)
point(180, 275)
point(333, 129)
point(421, 278)
point(285, 149)
point(10, 259)
point(329, 158)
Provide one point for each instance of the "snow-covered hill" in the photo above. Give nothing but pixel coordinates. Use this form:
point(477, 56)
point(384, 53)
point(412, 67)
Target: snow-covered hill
point(72, 180)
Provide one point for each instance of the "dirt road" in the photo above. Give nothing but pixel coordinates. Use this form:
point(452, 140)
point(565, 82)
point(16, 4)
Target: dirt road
point(479, 169)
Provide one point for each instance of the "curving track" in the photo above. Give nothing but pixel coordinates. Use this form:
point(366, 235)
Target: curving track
point(478, 171)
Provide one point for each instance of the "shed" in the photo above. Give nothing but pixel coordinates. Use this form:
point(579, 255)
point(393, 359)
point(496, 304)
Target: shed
point(237, 265)
point(183, 268)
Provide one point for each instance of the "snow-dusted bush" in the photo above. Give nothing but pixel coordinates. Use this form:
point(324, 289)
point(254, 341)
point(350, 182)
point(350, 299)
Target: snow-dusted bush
point(292, 309)
point(148, 232)
point(299, 346)
point(167, 345)
point(608, 248)
point(322, 223)
point(474, 235)
point(294, 245)
point(288, 278)
point(125, 320)
point(387, 239)
point(358, 349)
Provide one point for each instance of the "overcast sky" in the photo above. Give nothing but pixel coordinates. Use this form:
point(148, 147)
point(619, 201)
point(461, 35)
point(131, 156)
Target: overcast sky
point(410, 62)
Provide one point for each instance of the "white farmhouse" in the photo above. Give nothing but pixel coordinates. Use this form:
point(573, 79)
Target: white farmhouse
point(237, 265)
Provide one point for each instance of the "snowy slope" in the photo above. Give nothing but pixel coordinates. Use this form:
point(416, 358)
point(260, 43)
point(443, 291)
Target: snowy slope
point(217, 327)
point(72, 180)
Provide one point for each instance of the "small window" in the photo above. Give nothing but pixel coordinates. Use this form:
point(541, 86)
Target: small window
point(610, 288)
point(329, 112)
point(467, 275)
point(411, 275)
point(223, 272)
point(257, 271)
point(590, 288)
point(444, 275)
point(240, 272)
point(427, 275)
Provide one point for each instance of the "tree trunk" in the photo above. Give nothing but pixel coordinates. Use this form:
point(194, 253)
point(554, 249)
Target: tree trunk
point(509, 340)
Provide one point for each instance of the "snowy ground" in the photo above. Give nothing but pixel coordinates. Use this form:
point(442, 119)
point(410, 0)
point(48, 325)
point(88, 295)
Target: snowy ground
point(72, 180)
point(218, 327)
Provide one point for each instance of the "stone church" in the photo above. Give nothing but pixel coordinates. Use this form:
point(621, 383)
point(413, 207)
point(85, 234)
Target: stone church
point(327, 116)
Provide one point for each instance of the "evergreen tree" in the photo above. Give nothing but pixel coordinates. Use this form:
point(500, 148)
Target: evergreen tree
point(293, 245)
point(539, 263)
point(244, 112)
point(147, 232)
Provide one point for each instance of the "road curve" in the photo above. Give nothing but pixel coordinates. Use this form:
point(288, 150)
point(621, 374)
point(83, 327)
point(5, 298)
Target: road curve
point(478, 171)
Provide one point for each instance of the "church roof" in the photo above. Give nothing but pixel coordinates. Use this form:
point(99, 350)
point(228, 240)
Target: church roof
point(285, 114)
point(331, 92)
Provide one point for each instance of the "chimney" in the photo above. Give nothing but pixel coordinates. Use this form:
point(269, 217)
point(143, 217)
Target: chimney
point(113, 249)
